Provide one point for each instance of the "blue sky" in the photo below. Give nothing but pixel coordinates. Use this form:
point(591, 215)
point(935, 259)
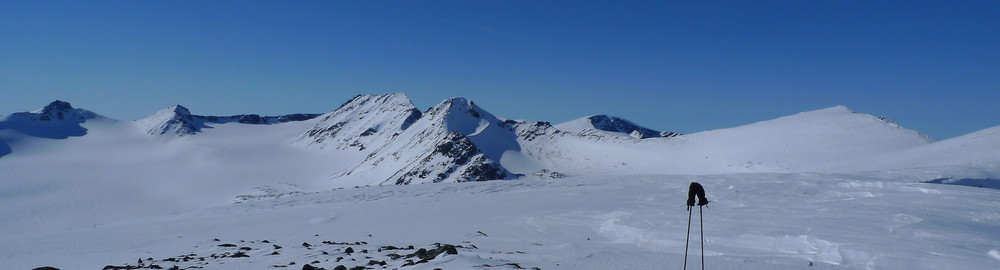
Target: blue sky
point(933, 66)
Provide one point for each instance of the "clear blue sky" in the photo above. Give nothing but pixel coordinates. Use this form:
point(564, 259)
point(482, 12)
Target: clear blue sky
point(933, 66)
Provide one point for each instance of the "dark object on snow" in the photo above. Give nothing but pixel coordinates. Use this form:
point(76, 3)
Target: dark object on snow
point(696, 190)
point(46, 268)
point(116, 267)
point(310, 267)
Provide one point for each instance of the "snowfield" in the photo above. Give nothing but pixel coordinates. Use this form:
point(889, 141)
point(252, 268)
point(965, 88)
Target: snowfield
point(826, 189)
point(755, 221)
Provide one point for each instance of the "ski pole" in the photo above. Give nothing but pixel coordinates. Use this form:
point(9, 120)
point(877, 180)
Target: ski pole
point(701, 222)
point(687, 239)
point(695, 190)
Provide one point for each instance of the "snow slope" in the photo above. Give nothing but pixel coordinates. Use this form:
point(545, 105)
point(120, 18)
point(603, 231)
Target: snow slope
point(366, 121)
point(793, 143)
point(118, 172)
point(974, 155)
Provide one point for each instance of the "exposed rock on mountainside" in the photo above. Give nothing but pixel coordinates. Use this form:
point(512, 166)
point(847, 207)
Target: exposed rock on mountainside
point(454, 158)
point(446, 144)
point(615, 124)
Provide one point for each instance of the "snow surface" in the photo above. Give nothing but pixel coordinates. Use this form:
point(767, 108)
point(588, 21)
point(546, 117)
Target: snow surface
point(831, 188)
point(755, 221)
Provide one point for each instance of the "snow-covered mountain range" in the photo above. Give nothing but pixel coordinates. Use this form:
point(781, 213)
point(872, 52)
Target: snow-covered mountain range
point(71, 176)
point(456, 140)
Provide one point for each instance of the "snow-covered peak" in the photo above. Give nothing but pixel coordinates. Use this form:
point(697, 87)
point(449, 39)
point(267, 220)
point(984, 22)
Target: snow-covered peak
point(614, 125)
point(838, 111)
point(170, 112)
point(365, 121)
point(58, 120)
point(798, 142)
point(175, 119)
point(362, 100)
point(464, 116)
point(492, 134)
point(453, 141)
point(454, 105)
point(58, 110)
point(840, 119)
point(55, 106)
point(178, 110)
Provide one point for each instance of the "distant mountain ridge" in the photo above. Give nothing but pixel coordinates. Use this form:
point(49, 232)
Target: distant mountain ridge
point(386, 140)
point(614, 124)
point(178, 120)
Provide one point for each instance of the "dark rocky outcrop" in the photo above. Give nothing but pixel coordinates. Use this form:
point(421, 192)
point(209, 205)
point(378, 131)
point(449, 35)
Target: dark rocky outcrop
point(454, 157)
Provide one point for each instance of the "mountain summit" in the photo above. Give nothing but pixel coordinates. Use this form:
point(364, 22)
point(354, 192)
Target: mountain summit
point(57, 120)
point(59, 110)
point(366, 121)
point(451, 142)
point(175, 119)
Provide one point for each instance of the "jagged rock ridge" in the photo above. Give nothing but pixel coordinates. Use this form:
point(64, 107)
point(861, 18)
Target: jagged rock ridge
point(455, 141)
